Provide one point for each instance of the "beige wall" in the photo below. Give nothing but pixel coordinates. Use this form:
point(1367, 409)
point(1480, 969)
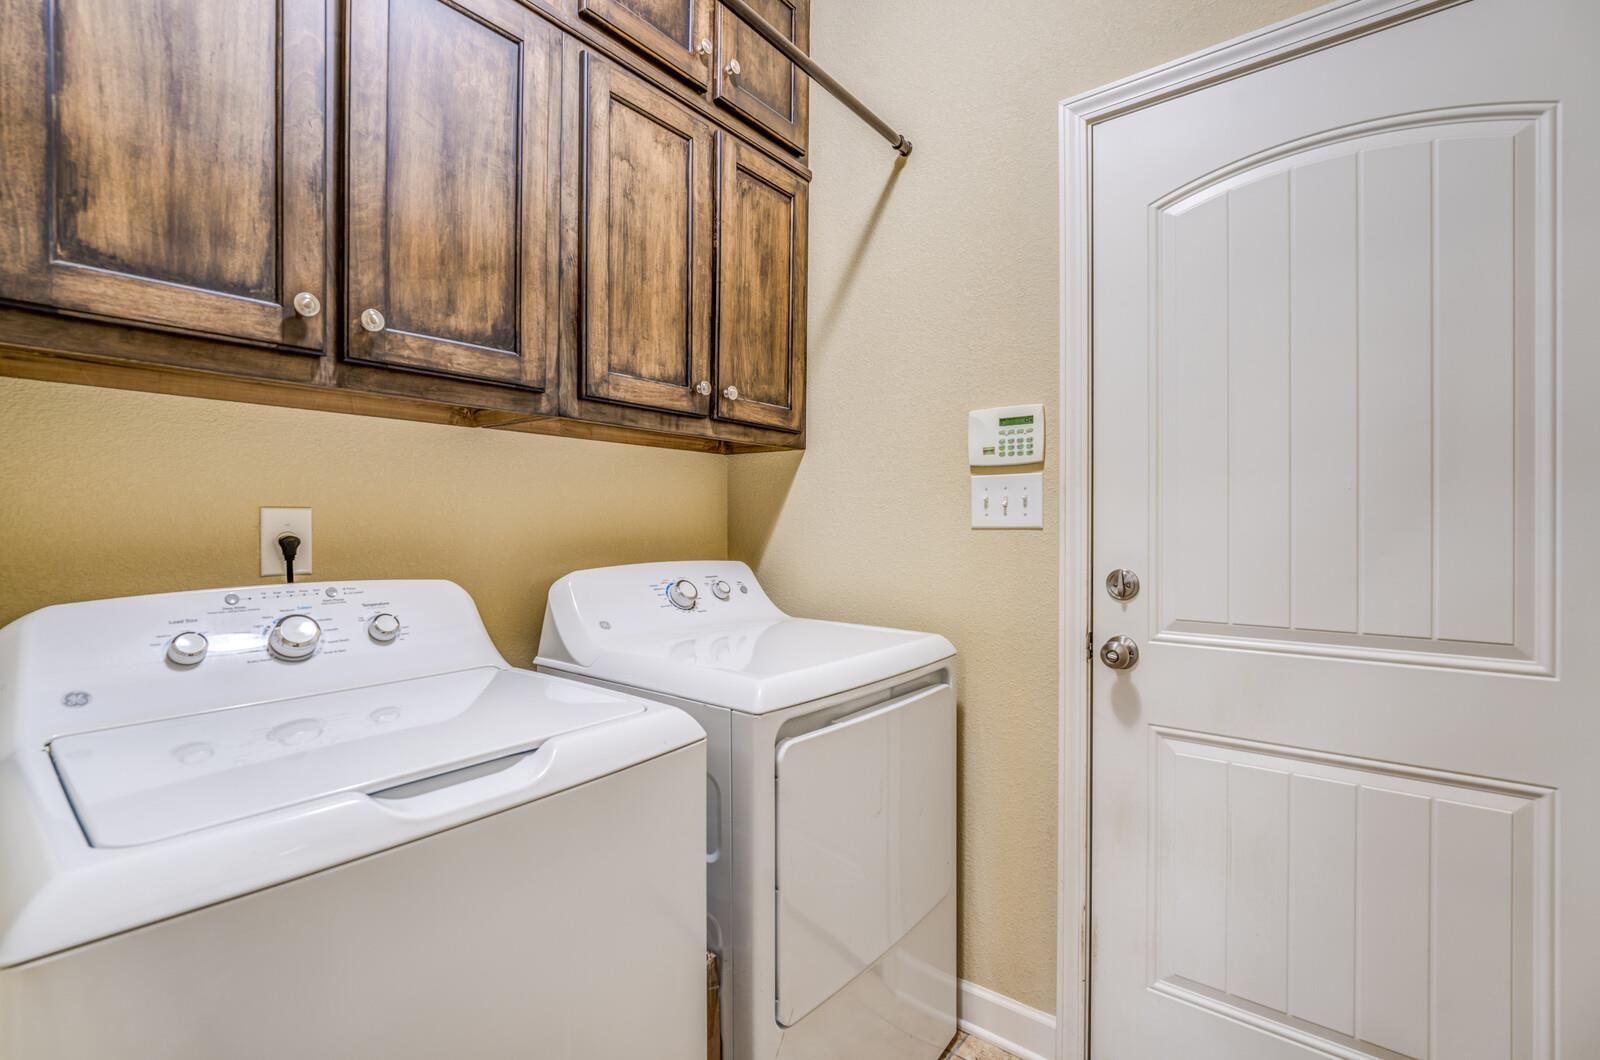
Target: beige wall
point(933, 292)
point(104, 493)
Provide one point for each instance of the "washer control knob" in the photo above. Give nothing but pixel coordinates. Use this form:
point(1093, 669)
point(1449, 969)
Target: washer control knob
point(721, 589)
point(383, 628)
point(294, 637)
point(683, 594)
point(187, 648)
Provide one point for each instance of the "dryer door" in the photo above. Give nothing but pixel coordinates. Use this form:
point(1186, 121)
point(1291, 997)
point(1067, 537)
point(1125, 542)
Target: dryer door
point(866, 840)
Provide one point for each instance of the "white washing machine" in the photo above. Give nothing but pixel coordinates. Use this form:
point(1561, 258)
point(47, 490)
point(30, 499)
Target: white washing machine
point(830, 801)
point(329, 821)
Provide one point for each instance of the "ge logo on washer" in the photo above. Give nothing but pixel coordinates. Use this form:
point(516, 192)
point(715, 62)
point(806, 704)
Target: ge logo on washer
point(75, 699)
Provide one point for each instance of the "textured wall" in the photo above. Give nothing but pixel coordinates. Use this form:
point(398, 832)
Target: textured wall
point(105, 493)
point(934, 291)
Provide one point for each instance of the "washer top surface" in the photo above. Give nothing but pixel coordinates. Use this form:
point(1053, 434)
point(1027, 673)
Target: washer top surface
point(720, 641)
point(162, 753)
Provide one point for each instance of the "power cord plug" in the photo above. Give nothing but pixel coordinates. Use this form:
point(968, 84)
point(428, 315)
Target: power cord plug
point(289, 545)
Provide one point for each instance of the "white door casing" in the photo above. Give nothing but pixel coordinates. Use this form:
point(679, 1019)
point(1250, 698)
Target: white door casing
point(1331, 285)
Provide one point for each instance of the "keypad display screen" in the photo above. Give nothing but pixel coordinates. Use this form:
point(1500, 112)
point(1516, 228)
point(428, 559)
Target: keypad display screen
point(1016, 421)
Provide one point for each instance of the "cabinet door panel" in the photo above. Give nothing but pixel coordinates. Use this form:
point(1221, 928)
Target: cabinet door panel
point(670, 30)
point(761, 290)
point(453, 201)
point(646, 253)
point(767, 89)
point(165, 162)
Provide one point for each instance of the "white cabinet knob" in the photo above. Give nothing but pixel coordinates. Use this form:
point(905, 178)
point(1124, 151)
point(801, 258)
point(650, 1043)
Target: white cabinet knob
point(731, 393)
point(307, 304)
point(703, 387)
point(372, 320)
point(732, 69)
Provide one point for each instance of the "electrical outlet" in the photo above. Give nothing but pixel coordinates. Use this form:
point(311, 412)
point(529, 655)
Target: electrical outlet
point(275, 521)
point(1008, 502)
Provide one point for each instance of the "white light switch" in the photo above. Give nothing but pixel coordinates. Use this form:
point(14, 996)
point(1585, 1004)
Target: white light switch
point(275, 521)
point(1008, 502)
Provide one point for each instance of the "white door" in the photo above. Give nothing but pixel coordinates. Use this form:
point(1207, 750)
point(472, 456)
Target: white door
point(1347, 433)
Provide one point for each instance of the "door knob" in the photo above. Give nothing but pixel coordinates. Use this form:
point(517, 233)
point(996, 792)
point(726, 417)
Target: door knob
point(731, 393)
point(307, 304)
point(372, 320)
point(733, 68)
point(705, 46)
point(703, 387)
point(1120, 653)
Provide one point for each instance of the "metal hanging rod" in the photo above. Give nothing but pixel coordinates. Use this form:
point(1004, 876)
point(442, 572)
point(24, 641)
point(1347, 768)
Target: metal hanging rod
point(817, 73)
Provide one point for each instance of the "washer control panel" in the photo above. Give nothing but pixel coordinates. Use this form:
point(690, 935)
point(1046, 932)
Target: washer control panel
point(177, 653)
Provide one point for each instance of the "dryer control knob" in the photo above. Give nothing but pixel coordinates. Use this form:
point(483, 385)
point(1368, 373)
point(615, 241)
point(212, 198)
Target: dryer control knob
point(383, 628)
point(187, 648)
point(294, 637)
point(683, 594)
point(721, 589)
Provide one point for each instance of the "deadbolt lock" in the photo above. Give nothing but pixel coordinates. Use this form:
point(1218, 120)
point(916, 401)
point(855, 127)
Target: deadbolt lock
point(1122, 584)
point(1120, 653)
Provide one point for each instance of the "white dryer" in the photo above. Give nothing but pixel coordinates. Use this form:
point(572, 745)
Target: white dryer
point(830, 801)
point(329, 821)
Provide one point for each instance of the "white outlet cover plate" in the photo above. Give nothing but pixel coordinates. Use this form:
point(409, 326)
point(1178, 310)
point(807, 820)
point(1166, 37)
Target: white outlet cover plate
point(275, 521)
point(1008, 502)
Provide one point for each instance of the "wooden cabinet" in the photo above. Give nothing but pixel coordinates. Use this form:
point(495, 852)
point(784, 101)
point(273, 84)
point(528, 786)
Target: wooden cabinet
point(165, 163)
point(761, 290)
point(453, 196)
point(753, 78)
point(671, 31)
point(645, 252)
point(534, 226)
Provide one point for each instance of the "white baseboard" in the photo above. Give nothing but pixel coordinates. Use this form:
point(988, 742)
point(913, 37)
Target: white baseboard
point(1022, 1031)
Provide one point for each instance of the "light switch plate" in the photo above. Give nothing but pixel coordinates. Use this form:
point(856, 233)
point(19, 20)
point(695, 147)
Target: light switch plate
point(275, 521)
point(1008, 502)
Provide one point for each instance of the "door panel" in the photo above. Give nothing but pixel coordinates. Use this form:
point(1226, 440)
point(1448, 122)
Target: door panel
point(646, 245)
point(670, 30)
point(1330, 318)
point(754, 79)
point(865, 845)
point(453, 202)
point(168, 165)
point(761, 290)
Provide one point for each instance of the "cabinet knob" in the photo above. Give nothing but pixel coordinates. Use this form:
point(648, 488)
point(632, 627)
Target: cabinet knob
point(307, 304)
point(372, 320)
point(731, 393)
point(703, 387)
point(732, 69)
point(705, 46)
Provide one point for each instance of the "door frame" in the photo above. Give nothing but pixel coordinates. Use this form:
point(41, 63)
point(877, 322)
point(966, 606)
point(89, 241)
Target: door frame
point(1320, 28)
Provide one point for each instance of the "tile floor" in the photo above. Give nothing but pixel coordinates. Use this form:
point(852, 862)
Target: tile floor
point(966, 1047)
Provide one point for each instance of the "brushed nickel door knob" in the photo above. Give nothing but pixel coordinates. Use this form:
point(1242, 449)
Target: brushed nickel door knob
point(705, 46)
point(731, 393)
point(732, 69)
point(372, 320)
point(1120, 653)
point(307, 304)
point(703, 387)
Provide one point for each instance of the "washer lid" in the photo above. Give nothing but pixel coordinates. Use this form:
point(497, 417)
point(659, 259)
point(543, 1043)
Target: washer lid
point(152, 781)
point(761, 666)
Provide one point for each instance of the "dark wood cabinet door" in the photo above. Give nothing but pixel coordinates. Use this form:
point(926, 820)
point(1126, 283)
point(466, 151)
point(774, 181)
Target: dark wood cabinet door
point(164, 163)
point(761, 290)
point(645, 244)
point(453, 202)
point(755, 80)
point(669, 30)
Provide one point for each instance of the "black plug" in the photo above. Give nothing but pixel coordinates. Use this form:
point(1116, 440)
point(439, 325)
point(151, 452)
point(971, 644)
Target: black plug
point(289, 545)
